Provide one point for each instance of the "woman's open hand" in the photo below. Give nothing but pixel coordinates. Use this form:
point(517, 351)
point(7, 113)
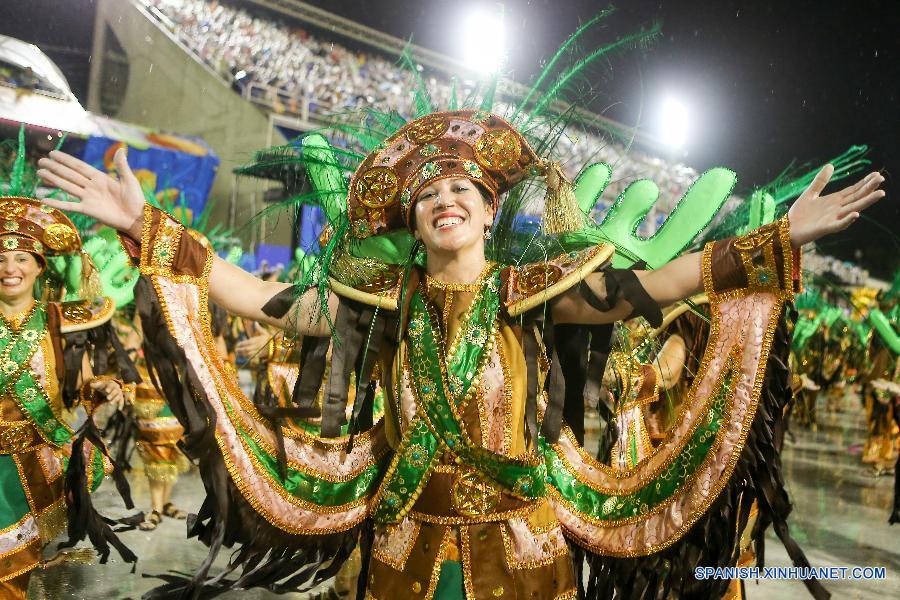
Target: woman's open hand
point(111, 390)
point(813, 216)
point(118, 203)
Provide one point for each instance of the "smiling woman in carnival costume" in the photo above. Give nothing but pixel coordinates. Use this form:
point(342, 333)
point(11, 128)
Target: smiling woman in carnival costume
point(475, 482)
point(50, 350)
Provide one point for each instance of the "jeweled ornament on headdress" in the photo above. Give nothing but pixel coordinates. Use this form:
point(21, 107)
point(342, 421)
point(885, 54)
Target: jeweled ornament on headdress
point(473, 144)
point(31, 226)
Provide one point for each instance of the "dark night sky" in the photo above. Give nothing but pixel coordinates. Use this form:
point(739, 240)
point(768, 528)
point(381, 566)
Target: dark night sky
point(766, 82)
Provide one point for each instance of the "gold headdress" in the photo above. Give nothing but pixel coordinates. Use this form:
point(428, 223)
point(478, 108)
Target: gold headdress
point(31, 226)
point(474, 144)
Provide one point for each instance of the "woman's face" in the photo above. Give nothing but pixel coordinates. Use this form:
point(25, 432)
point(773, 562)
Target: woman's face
point(451, 214)
point(18, 272)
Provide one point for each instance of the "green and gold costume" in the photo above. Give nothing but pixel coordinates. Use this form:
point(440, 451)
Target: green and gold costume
point(466, 487)
point(40, 360)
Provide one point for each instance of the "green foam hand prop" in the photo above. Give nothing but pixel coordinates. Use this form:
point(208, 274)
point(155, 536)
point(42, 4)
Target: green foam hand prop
point(885, 330)
point(305, 262)
point(235, 254)
point(116, 273)
point(762, 211)
point(590, 185)
point(804, 330)
point(326, 175)
point(689, 217)
point(327, 178)
point(831, 315)
point(113, 267)
point(862, 330)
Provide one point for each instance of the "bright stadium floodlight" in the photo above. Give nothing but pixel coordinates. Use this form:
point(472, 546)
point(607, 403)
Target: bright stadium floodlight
point(674, 122)
point(484, 39)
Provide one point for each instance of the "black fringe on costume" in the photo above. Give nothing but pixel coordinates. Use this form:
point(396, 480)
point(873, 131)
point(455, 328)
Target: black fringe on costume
point(120, 431)
point(266, 556)
point(83, 519)
point(106, 351)
point(714, 540)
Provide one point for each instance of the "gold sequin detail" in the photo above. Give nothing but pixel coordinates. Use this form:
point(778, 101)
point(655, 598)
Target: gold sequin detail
point(537, 277)
point(499, 149)
point(427, 129)
point(60, 237)
point(76, 313)
point(15, 438)
point(377, 187)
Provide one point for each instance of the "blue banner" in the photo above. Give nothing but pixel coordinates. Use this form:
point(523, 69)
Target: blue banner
point(166, 172)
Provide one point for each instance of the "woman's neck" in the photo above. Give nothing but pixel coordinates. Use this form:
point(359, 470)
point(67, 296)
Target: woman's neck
point(11, 307)
point(457, 267)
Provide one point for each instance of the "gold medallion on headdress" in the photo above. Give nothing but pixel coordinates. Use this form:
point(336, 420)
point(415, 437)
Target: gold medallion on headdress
point(61, 238)
point(477, 145)
point(29, 225)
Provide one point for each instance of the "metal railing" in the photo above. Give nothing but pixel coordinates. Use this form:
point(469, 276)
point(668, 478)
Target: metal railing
point(314, 110)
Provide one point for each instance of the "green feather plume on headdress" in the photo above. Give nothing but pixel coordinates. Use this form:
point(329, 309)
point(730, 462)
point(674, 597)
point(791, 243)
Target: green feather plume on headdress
point(105, 254)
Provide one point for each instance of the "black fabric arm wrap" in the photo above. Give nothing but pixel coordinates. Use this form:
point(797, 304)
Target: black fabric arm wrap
point(361, 330)
point(626, 286)
point(278, 305)
point(105, 350)
point(578, 355)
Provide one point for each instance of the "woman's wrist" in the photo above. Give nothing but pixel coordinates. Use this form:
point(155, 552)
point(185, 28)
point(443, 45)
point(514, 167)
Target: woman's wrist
point(137, 226)
point(797, 240)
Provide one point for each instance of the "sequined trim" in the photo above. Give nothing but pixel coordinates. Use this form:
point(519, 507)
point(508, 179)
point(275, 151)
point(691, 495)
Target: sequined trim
point(659, 531)
point(21, 533)
point(531, 286)
point(394, 543)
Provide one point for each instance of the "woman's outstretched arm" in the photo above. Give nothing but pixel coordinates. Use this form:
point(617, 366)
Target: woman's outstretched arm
point(119, 203)
point(811, 217)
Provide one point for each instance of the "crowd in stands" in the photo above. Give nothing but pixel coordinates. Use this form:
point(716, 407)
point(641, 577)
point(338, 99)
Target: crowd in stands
point(845, 271)
point(259, 52)
point(277, 56)
point(300, 68)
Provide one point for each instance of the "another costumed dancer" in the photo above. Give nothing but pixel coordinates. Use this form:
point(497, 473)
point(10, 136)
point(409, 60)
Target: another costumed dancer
point(474, 480)
point(50, 351)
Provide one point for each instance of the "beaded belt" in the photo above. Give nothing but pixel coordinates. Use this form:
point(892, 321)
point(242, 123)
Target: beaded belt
point(463, 496)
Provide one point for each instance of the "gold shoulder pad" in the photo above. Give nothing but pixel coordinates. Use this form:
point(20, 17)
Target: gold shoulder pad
point(679, 308)
point(385, 296)
point(536, 283)
point(79, 315)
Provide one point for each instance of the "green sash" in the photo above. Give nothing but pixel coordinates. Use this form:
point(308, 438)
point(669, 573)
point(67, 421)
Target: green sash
point(17, 347)
point(436, 379)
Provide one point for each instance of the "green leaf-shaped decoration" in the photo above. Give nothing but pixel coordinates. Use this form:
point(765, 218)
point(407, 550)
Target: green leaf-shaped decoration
point(689, 217)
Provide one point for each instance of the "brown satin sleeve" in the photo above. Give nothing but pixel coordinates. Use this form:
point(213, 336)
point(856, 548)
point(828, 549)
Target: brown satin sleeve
point(759, 261)
point(190, 257)
point(132, 248)
point(727, 267)
point(166, 246)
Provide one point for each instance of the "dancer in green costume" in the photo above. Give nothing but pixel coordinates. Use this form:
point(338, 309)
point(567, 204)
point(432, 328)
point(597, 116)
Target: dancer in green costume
point(474, 481)
point(43, 375)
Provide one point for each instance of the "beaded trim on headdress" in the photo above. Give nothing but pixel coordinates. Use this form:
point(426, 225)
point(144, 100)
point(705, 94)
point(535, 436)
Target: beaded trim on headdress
point(474, 144)
point(31, 226)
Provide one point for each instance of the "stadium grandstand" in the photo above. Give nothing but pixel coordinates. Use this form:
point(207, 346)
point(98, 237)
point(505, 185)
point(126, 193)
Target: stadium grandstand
point(280, 68)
